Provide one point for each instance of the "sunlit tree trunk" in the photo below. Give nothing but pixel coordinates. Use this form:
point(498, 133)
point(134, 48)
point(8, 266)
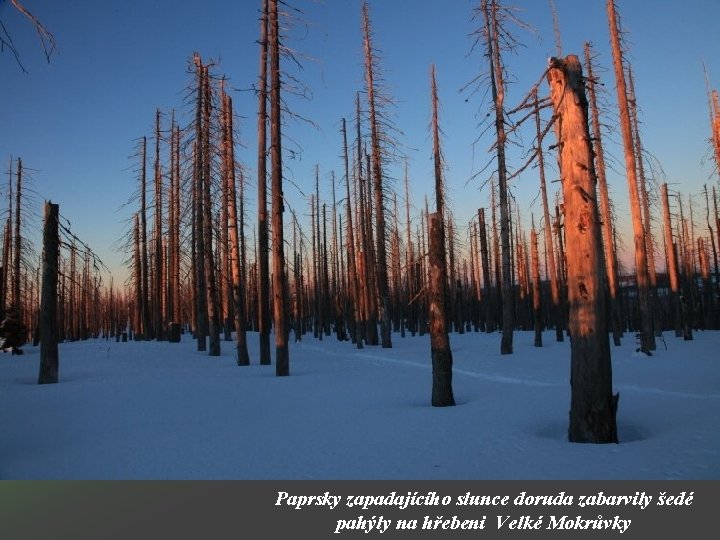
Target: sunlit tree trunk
point(641, 261)
point(605, 208)
point(593, 406)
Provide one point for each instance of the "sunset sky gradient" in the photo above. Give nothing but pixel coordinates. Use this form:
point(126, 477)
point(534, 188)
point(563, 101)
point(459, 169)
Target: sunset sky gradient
point(75, 121)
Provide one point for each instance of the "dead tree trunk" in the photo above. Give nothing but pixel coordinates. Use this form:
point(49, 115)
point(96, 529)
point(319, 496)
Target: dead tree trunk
point(356, 331)
point(263, 293)
point(213, 312)
point(376, 174)
point(173, 222)
point(672, 264)
point(146, 330)
point(441, 354)
point(645, 201)
point(200, 290)
point(158, 322)
point(537, 313)
point(605, 208)
point(282, 354)
point(137, 277)
point(714, 284)
point(688, 296)
point(641, 261)
point(367, 288)
point(497, 88)
point(49, 358)
point(487, 285)
point(236, 262)
point(17, 247)
point(593, 406)
point(551, 270)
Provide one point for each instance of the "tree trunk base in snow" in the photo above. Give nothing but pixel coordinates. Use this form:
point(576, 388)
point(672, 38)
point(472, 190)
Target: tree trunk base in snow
point(595, 423)
point(174, 332)
point(282, 362)
point(442, 394)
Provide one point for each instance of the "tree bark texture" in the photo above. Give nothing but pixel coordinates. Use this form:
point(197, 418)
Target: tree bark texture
point(593, 406)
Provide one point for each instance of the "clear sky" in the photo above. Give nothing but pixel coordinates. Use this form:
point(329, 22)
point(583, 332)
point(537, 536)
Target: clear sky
point(75, 120)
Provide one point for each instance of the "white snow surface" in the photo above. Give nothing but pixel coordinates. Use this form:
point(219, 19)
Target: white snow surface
point(154, 410)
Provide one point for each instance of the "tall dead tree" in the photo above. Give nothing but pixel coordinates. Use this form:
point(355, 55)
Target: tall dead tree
point(17, 241)
point(605, 207)
point(551, 269)
point(211, 288)
point(146, 331)
point(356, 332)
point(442, 394)
point(377, 180)
point(137, 276)
point(282, 354)
point(173, 223)
point(645, 202)
point(263, 293)
point(200, 288)
point(593, 407)
point(236, 262)
point(647, 335)
point(158, 322)
point(491, 34)
point(365, 258)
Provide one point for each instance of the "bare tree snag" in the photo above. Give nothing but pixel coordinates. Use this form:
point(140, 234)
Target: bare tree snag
point(282, 354)
point(17, 242)
point(537, 313)
point(551, 270)
point(593, 406)
point(605, 208)
point(377, 183)
point(641, 261)
point(487, 285)
point(263, 294)
point(158, 322)
point(497, 88)
point(49, 358)
point(441, 354)
point(672, 263)
point(355, 318)
point(236, 262)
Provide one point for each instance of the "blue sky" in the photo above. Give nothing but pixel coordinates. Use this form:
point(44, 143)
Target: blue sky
point(75, 120)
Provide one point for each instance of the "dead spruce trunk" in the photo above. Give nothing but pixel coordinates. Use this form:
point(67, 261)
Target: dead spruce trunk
point(593, 406)
point(49, 360)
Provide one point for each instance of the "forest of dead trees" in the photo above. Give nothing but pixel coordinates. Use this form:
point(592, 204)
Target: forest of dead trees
point(365, 263)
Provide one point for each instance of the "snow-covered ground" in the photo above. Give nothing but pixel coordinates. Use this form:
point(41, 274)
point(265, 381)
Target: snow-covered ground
point(162, 410)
